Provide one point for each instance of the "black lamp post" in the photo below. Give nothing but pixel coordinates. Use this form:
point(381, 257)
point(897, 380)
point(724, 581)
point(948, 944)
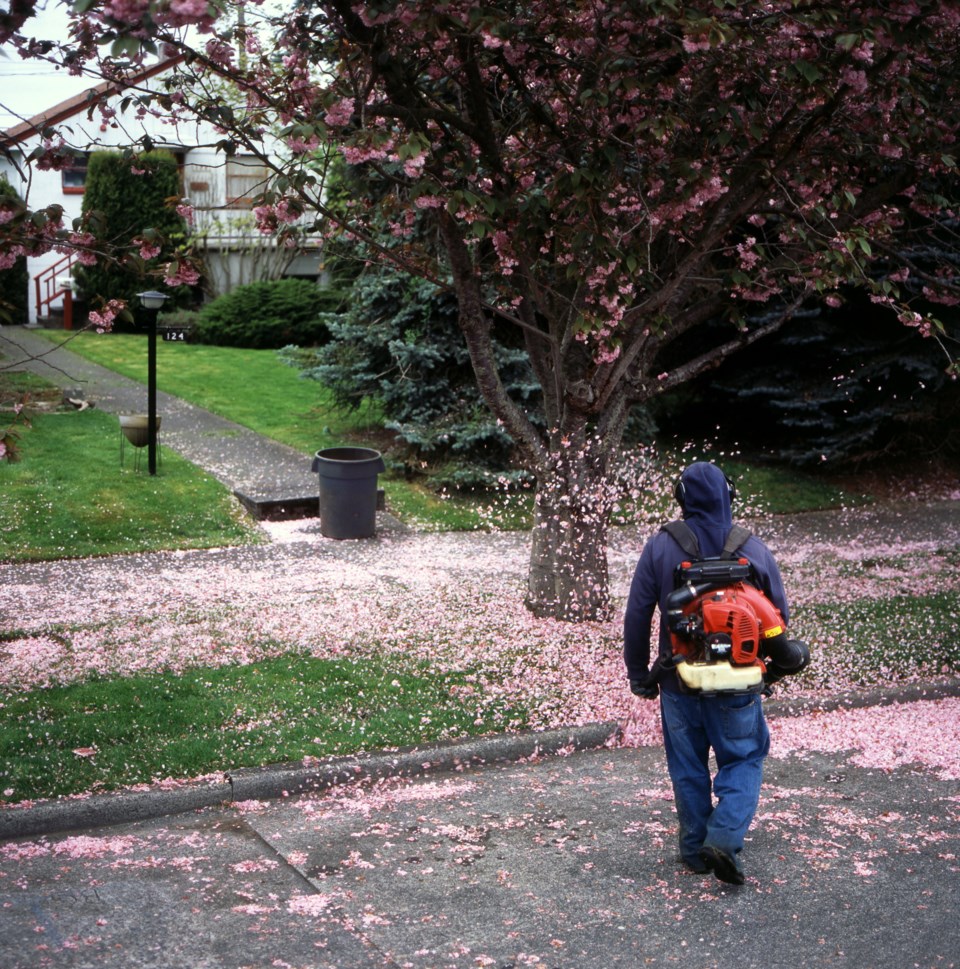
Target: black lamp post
point(152, 301)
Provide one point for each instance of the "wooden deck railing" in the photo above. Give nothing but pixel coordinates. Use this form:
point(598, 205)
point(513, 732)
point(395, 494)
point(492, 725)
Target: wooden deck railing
point(50, 285)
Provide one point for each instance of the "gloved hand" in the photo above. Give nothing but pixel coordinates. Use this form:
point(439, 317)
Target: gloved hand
point(646, 689)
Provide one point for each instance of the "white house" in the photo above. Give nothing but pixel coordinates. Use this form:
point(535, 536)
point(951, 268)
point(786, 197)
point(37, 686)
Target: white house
point(220, 189)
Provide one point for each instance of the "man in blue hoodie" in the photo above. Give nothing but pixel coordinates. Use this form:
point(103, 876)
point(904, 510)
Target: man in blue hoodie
point(711, 837)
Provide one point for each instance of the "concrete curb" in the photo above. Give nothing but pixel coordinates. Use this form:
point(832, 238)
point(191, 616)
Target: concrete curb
point(937, 689)
point(281, 780)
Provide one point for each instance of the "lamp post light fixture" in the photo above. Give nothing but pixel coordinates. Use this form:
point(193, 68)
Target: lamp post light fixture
point(152, 301)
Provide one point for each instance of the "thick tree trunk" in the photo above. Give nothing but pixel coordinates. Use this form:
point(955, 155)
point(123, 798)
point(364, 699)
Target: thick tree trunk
point(568, 577)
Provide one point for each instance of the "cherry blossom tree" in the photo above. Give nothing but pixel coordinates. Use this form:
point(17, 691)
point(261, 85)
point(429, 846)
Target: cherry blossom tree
point(611, 177)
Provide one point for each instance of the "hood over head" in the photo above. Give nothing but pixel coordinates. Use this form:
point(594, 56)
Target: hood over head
point(704, 493)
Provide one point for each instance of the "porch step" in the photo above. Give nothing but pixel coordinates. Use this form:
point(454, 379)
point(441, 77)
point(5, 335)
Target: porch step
point(280, 509)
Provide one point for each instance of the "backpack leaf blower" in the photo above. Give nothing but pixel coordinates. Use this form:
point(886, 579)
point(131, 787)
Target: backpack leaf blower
point(727, 636)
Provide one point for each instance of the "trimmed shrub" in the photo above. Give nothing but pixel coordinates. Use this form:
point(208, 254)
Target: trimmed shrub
point(265, 315)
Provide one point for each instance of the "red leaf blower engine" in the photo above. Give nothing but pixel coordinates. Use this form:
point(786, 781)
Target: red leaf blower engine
point(727, 636)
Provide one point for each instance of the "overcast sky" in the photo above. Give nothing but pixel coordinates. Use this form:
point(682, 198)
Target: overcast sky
point(29, 87)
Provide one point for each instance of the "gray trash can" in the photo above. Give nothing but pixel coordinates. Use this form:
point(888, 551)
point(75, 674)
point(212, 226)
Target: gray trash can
point(348, 490)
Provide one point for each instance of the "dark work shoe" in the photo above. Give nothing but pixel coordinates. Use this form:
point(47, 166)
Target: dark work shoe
point(722, 865)
point(695, 864)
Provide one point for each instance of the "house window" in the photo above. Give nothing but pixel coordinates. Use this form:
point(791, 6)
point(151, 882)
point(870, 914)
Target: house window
point(247, 177)
point(74, 176)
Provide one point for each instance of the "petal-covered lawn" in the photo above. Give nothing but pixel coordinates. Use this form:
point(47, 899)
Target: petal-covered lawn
point(924, 734)
point(455, 602)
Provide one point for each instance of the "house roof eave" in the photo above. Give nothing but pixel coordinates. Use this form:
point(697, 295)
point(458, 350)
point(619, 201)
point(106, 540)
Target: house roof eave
point(60, 112)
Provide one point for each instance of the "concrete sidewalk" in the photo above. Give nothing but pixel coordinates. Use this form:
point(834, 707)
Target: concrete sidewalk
point(269, 478)
point(561, 862)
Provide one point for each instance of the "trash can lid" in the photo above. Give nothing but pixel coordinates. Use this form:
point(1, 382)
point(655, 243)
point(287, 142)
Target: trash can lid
point(348, 462)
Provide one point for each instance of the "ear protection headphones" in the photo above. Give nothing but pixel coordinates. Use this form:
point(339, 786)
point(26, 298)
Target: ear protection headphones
point(680, 491)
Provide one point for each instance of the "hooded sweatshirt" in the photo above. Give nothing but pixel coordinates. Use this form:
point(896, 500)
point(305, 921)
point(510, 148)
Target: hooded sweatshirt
point(706, 509)
point(706, 506)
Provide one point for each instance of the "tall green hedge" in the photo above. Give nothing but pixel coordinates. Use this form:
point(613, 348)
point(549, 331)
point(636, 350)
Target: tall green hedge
point(123, 198)
point(15, 281)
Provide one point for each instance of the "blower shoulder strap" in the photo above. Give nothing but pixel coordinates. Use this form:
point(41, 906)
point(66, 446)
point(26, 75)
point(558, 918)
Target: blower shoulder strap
point(736, 537)
point(683, 534)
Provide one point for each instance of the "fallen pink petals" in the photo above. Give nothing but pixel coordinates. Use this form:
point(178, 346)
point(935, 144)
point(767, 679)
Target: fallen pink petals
point(453, 602)
point(882, 737)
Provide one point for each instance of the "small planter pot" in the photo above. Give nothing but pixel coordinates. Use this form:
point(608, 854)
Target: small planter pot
point(135, 428)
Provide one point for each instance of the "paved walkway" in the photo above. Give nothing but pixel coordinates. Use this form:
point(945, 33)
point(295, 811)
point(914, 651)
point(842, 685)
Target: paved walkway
point(550, 850)
point(271, 479)
point(555, 863)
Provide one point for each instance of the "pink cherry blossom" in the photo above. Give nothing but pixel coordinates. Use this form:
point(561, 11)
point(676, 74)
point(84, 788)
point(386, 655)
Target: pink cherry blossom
point(181, 273)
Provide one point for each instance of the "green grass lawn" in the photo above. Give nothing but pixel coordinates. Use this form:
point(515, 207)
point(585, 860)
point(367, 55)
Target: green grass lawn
point(105, 734)
point(69, 497)
point(253, 388)
point(17, 384)
point(889, 637)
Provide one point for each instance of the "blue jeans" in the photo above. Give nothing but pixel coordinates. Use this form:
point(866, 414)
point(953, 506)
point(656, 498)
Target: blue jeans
point(734, 726)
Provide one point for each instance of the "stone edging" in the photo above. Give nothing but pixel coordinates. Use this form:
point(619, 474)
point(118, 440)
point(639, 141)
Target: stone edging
point(281, 780)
